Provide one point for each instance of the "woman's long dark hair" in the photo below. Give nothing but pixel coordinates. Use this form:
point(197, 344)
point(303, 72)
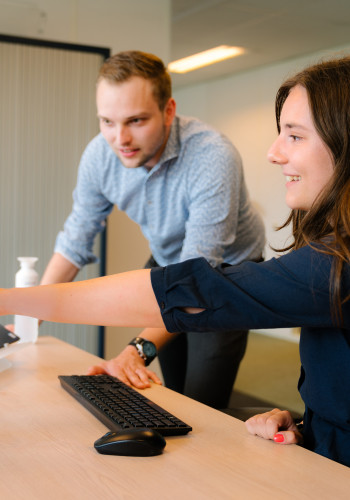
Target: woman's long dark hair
point(327, 223)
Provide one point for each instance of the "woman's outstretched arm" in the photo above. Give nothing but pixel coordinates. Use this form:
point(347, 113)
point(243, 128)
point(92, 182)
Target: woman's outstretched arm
point(125, 299)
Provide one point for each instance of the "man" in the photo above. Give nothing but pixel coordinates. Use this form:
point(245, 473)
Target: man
point(182, 182)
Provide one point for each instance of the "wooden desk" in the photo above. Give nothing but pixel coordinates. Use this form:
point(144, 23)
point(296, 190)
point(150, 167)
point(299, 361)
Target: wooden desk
point(46, 446)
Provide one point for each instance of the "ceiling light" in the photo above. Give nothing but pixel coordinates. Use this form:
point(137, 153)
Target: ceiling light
point(205, 58)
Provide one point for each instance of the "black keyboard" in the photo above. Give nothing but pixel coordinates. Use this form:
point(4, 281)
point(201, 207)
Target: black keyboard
point(118, 406)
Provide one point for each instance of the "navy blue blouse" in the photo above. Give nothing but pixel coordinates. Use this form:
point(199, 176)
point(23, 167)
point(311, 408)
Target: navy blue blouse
point(291, 291)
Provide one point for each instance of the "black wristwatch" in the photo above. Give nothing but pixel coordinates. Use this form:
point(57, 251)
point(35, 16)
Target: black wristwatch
point(146, 349)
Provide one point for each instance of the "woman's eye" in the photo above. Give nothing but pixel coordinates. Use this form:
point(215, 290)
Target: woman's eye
point(295, 138)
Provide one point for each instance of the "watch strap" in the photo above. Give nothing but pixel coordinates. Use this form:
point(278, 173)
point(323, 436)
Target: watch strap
point(139, 343)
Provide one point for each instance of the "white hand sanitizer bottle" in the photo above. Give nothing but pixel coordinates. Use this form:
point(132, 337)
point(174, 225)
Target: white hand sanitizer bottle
point(25, 327)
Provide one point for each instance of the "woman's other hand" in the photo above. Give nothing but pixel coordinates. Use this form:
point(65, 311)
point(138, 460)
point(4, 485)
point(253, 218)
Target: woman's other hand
point(276, 425)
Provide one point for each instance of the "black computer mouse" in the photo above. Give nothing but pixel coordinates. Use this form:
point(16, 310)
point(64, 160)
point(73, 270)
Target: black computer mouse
point(133, 443)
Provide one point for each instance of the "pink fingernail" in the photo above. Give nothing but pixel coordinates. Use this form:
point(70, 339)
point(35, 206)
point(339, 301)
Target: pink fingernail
point(278, 438)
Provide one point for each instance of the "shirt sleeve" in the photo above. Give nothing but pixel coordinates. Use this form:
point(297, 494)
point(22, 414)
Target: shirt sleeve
point(89, 212)
point(214, 193)
point(291, 291)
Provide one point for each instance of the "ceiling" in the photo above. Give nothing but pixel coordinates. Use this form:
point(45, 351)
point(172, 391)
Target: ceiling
point(270, 30)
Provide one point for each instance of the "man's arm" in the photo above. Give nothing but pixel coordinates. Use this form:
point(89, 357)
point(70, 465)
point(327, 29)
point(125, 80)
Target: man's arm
point(129, 367)
point(59, 270)
point(221, 221)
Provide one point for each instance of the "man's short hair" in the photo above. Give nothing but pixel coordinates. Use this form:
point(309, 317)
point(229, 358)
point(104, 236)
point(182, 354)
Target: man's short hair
point(124, 65)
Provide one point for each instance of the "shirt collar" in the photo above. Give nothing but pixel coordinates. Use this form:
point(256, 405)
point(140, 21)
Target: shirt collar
point(172, 148)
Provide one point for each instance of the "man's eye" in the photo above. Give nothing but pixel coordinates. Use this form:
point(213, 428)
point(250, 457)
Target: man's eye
point(137, 121)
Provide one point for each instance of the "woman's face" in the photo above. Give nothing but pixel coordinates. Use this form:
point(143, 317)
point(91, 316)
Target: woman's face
point(305, 160)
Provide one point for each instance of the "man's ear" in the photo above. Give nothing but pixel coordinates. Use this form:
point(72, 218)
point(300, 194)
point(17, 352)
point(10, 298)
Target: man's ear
point(169, 111)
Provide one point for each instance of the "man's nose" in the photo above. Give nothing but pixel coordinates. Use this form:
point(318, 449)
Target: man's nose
point(122, 135)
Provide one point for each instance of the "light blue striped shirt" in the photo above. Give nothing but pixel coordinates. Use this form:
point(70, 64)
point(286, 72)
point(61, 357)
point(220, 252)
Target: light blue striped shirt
point(194, 202)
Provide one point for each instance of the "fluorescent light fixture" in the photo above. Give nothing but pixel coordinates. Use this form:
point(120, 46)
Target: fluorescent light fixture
point(205, 58)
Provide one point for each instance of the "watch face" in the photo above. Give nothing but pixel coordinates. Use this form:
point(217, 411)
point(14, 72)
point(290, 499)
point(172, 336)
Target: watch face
point(149, 349)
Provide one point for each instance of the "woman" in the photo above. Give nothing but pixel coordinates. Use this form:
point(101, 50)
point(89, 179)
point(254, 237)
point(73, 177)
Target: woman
point(309, 286)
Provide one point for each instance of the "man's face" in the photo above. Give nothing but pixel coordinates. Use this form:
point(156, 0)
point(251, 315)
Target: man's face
point(131, 121)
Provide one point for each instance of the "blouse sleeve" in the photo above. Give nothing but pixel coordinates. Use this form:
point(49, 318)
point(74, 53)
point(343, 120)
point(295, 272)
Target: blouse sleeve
point(291, 291)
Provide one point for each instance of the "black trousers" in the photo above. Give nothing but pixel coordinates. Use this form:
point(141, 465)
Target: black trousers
point(203, 366)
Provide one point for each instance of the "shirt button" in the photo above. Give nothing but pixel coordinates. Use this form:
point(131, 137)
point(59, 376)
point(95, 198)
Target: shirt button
point(162, 305)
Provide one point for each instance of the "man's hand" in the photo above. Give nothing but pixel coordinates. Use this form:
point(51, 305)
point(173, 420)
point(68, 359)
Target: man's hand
point(128, 367)
point(277, 425)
